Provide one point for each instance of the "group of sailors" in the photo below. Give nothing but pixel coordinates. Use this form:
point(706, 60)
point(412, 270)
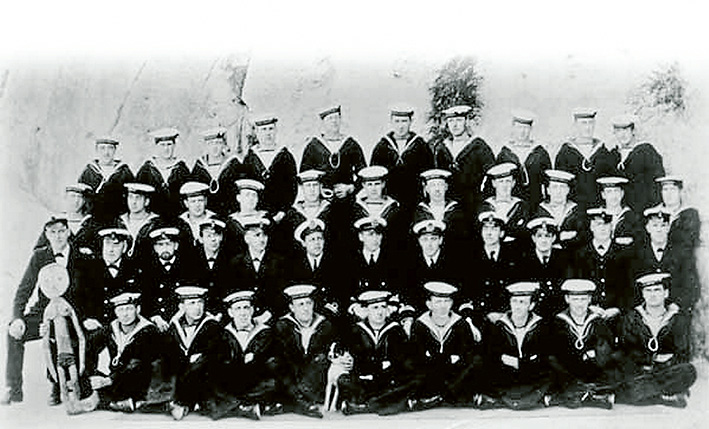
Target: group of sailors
point(437, 275)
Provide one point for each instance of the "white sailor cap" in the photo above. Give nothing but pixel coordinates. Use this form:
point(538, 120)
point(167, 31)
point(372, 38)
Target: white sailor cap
point(217, 133)
point(329, 111)
point(547, 223)
point(442, 289)
point(190, 292)
point(81, 188)
point(164, 134)
point(310, 176)
point(370, 223)
point(169, 233)
point(674, 180)
point(265, 119)
point(308, 227)
point(401, 109)
point(255, 222)
point(612, 182)
point(242, 295)
point(457, 111)
point(623, 121)
point(193, 189)
point(251, 184)
point(374, 172)
point(523, 288)
point(653, 279)
point(490, 216)
point(429, 226)
point(584, 112)
point(107, 140)
point(578, 286)
point(125, 298)
point(599, 213)
point(501, 170)
point(524, 117)
point(139, 188)
point(299, 291)
point(212, 223)
point(657, 211)
point(435, 173)
point(373, 296)
point(560, 176)
point(116, 234)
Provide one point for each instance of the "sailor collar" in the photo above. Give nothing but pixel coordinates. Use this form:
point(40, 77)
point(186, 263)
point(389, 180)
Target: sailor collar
point(185, 338)
point(122, 340)
point(580, 331)
point(244, 341)
point(376, 336)
point(520, 333)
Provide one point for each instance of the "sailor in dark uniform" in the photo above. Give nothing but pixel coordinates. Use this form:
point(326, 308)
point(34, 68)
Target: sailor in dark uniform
point(138, 196)
point(106, 176)
point(587, 158)
point(261, 269)
point(639, 162)
point(373, 201)
point(546, 263)
point(569, 217)
point(626, 224)
point(467, 157)
point(339, 156)
point(219, 171)
point(531, 159)
point(494, 262)
point(194, 346)
point(304, 338)
point(444, 351)
point(103, 278)
point(272, 164)
point(195, 199)
point(659, 254)
point(315, 266)
point(684, 221)
point(134, 346)
point(582, 357)
point(657, 345)
point(439, 206)
point(162, 272)
point(310, 203)
point(246, 379)
point(248, 196)
point(518, 345)
point(373, 265)
point(165, 173)
point(26, 321)
point(213, 270)
point(513, 210)
point(606, 263)
point(432, 260)
point(405, 154)
point(380, 377)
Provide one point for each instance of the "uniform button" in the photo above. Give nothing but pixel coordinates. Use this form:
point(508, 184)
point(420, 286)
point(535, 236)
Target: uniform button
point(105, 301)
point(603, 280)
point(159, 299)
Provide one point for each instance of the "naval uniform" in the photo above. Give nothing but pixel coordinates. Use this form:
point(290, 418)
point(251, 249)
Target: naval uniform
point(529, 176)
point(221, 179)
point(165, 201)
point(641, 166)
point(340, 166)
point(599, 163)
point(109, 200)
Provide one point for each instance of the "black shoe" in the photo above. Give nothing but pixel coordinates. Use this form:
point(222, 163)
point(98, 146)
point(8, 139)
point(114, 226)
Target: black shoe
point(125, 406)
point(55, 398)
point(485, 402)
point(425, 403)
point(252, 412)
point(351, 408)
point(273, 409)
point(177, 411)
point(678, 400)
point(11, 396)
point(311, 410)
point(599, 400)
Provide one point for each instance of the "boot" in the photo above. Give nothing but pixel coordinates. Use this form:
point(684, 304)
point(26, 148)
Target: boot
point(677, 400)
point(125, 406)
point(273, 409)
point(252, 412)
point(10, 396)
point(177, 411)
point(54, 398)
point(351, 408)
point(425, 403)
point(599, 400)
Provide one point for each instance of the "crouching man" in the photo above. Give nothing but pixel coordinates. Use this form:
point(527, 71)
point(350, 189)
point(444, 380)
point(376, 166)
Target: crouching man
point(247, 379)
point(378, 382)
point(134, 346)
point(194, 346)
point(655, 339)
point(581, 354)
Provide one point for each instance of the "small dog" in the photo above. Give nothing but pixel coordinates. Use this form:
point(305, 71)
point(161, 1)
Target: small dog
point(341, 362)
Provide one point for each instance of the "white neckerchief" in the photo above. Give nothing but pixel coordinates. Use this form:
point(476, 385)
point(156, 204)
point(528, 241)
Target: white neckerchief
point(376, 336)
point(187, 337)
point(122, 339)
point(194, 223)
point(655, 325)
point(395, 144)
point(580, 331)
point(245, 337)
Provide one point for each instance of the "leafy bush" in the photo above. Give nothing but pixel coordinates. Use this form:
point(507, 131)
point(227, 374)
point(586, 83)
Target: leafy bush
point(663, 92)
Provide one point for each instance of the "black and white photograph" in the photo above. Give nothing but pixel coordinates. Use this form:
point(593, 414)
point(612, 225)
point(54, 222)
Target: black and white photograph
point(331, 215)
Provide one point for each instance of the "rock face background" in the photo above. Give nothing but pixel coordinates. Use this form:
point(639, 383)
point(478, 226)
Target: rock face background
point(51, 110)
